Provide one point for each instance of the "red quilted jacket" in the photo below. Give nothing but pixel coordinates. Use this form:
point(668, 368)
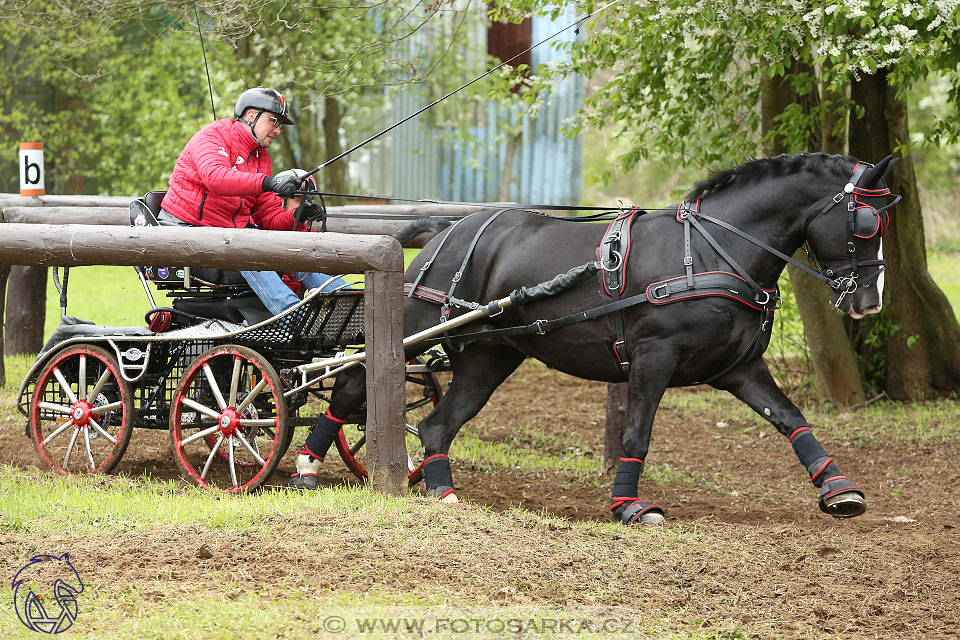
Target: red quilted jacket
point(217, 181)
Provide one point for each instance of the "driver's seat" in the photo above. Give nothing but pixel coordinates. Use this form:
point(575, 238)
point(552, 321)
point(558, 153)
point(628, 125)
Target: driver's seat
point(205, 292)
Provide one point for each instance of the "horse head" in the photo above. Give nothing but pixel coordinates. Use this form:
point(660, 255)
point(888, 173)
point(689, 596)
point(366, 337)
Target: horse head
point(846, 238)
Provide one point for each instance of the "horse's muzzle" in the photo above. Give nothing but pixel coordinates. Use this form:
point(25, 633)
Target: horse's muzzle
point(866, 312)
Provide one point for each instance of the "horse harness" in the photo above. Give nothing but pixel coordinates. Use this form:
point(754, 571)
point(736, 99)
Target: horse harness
point(863, 221)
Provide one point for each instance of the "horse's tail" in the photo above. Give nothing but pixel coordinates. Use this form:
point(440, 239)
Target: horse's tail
point(424, 224)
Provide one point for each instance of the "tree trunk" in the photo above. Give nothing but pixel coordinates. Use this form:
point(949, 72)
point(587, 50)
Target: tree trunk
point(923, 355)
point(336, 178)
point(834, 362)
point(27, 288)
point(506, 178)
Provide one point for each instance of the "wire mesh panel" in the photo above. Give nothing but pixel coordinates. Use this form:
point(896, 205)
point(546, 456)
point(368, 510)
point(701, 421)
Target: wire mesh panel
point(327, 321)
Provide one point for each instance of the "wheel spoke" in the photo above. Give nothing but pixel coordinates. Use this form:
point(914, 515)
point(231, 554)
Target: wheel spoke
point(60, 429)
point(86, 441)
point(102, 432)
point(233, 466)
point(235, 381)
point(214, 386)
point(252, 395)
point(196, 406)
point(250, 449)
point(59, 408)
point(359, 445)
point(107, 407)
point(213, 453)
point(73, 441)
point(257, 422)
point(65, 385)
point(82, 377)
point(97, 387)
point(200, 434)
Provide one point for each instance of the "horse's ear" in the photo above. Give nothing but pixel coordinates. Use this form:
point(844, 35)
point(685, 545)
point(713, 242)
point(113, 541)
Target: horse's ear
point(875, 174)
point(893, 163)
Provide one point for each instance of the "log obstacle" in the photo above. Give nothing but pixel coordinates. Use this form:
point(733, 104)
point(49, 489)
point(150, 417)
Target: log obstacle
point(386, 219)
point(379, 258)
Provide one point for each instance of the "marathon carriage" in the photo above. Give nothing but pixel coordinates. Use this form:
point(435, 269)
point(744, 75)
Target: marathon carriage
point(215, 368)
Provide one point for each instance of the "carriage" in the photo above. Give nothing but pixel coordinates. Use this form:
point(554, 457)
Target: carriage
point(225, 376)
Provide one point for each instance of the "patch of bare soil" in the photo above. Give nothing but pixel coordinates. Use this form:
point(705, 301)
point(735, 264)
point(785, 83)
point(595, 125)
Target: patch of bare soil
point(892, 572)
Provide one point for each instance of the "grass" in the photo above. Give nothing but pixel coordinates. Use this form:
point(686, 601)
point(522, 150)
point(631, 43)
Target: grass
point(113, 525)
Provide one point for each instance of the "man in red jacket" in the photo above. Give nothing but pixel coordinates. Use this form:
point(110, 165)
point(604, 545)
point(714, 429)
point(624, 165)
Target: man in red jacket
point(224, 178)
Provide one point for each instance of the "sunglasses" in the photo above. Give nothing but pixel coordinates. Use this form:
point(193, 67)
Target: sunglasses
point(275, 121)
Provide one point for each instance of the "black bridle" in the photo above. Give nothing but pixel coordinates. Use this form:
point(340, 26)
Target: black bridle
point(863, 221)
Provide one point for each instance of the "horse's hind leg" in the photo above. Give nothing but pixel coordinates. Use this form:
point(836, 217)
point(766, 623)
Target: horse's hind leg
point(349, 392)
point(753, 384)
point(645, 390)
point(477, 371)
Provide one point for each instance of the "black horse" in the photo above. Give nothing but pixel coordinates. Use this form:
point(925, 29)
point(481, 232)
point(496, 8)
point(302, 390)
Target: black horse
point(696, 299)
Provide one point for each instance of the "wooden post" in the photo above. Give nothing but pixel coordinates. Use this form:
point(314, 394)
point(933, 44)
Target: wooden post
point(616, 420)
point(386, 441)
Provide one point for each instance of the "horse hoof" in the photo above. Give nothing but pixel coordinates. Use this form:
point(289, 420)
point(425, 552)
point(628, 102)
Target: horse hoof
point(847, 504)
point(651, 517)
point(450, 498)
point(641, 513)
point(304, 481)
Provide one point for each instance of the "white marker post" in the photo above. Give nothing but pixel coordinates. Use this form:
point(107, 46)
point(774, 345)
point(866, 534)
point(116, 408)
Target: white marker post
point(31, 169)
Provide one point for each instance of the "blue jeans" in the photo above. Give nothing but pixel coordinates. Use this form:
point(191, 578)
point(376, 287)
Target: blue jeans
point(277, 296)
point(268, 285)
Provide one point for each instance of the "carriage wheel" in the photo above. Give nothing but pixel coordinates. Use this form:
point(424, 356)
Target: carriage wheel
point(423, 393)
point(81, 416)
point(248, 426)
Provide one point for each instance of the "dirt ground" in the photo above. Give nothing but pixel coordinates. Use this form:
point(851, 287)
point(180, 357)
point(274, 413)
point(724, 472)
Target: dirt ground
point(747, 479)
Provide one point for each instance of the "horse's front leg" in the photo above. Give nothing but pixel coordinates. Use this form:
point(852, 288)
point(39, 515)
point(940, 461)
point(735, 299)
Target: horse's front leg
point(753, 384)
point(477, 372)
point(644, 392)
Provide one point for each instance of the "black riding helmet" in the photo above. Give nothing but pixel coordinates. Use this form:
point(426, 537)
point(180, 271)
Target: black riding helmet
point(263, 99)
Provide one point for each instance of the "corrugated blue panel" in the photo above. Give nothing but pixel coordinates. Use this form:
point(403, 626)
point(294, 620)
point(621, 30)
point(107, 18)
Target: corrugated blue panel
point(416, 162)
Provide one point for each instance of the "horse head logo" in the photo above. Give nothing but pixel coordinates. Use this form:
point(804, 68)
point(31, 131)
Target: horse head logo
point(45, 593)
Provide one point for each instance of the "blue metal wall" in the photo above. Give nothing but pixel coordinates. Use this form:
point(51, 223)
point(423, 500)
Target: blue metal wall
point(414, 162)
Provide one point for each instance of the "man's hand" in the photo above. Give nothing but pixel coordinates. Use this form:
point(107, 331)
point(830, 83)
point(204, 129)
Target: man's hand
point(310, 211)
point(283, 184)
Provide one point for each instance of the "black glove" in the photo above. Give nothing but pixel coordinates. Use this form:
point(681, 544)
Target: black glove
point(284, 185)
point(310, 211)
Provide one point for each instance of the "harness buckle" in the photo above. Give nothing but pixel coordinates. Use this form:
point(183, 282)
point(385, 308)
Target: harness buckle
point(617, 345)
point(426, 265)
point(688, 261)
point(851, 248)
point(660, 292)
point(850, 206)
point(539, 324)
point(457, 276)
point(837, 198)
point(763, 302)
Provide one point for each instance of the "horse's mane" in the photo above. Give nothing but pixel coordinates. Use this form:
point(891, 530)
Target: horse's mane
point(785, 164)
